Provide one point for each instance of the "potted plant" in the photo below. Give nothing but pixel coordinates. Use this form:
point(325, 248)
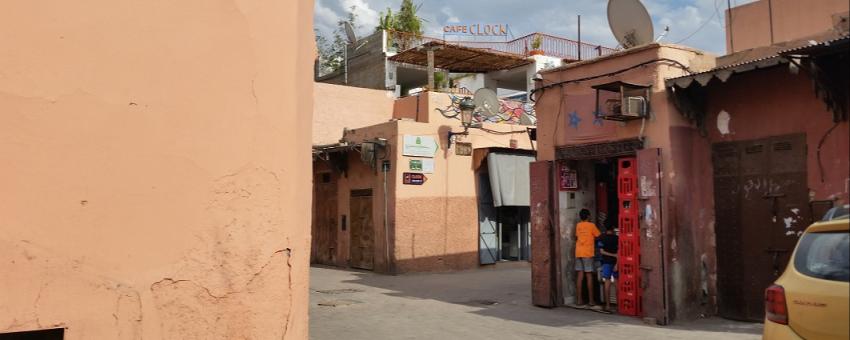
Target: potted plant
point(535, 45)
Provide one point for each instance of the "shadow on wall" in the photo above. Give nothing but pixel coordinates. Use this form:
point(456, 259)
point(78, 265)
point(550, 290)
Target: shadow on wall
point(504, 291)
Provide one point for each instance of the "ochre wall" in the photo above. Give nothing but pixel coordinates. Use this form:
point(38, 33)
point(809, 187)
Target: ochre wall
point(362, 176)
point(337, 107)
point(436, 224)
point(154, 162)
point(792, 19)
point(432, 227)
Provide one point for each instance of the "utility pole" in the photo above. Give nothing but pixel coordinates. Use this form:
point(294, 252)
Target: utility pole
point(729, 24)
point(579, 37)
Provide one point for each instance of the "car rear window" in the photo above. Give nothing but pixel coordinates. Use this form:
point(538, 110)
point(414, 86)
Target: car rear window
point(824, 256)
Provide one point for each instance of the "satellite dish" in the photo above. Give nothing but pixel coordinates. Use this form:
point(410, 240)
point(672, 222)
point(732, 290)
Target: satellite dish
point(349, 32)
point(630, 23)
point(487, 101)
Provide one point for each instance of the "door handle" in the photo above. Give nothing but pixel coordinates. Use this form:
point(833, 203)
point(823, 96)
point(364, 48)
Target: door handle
point(774, 207)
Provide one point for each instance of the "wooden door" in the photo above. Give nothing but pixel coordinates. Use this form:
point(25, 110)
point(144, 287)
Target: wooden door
point(324, 219)
point(362, 230)
point(761, 202)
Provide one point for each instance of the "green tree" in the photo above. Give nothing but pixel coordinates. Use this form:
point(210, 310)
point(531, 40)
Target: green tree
point(404, 27)
point(332, 51)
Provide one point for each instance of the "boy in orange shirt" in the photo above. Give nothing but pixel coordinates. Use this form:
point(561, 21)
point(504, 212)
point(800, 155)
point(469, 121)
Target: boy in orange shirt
point(586, 233)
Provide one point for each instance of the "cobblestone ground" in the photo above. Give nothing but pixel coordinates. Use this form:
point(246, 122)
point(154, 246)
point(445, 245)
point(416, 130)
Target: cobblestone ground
point(487, 304)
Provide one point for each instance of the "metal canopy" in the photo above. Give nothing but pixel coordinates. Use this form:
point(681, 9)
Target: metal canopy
point(761, 58)
point(460, 59)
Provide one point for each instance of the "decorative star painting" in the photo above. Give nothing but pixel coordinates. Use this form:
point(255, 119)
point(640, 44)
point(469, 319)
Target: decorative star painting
point(574, 119)
point(597, 118)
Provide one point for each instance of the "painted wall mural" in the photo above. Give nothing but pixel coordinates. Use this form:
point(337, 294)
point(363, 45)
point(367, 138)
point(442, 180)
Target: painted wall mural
point(508, 112)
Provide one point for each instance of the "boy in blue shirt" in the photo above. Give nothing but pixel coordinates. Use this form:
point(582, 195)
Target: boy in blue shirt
point(608, 246)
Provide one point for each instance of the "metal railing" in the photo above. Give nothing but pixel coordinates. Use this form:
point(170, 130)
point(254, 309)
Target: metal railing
point(551, 45)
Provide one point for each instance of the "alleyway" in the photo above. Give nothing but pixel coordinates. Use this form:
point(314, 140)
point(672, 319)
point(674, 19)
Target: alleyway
point(483, 304)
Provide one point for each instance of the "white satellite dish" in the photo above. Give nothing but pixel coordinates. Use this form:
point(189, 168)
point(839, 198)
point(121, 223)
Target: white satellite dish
point(349, 33)
point(487, 101)
point(630, 23)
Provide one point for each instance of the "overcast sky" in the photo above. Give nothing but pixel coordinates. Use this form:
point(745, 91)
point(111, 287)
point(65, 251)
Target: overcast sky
point(697, 23)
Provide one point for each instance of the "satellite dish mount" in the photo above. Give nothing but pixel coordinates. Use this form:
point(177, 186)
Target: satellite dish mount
point(351, 36)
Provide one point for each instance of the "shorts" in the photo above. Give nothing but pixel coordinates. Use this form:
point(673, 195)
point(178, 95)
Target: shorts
point(584, 264)
point(608, 271)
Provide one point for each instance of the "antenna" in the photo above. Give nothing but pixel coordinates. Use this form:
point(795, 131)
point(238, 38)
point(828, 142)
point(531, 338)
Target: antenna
point(349, 33)
point(630, 23)
point(663, 35)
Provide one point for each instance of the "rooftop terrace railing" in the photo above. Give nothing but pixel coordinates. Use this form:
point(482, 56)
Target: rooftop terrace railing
point(551, 45)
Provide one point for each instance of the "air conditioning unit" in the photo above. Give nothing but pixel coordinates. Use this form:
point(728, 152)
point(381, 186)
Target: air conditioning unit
point(635, 107)
point(621, 101)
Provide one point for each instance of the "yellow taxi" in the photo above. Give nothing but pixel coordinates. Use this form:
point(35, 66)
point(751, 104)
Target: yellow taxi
point(811, 300)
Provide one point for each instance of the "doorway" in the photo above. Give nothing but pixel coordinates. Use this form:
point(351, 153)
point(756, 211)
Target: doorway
point(362, 249)
point(761, 205)
point(324, 219)
point(503, 233)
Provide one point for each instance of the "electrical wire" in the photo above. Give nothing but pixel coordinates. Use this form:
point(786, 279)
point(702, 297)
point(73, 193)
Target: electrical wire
point(558, 117)
point(610, 74)
point(820, 145)
point(704, 23)
point(494, 132)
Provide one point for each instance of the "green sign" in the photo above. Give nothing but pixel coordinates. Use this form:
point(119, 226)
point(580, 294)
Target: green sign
point(419, 146)
point(415, 165)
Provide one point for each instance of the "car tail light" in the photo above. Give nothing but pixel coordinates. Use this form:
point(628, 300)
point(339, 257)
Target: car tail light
point(774, 304)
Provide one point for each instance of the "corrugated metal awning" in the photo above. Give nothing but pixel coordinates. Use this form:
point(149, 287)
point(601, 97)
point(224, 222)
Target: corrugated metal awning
point(723, 73)
point(760, 58)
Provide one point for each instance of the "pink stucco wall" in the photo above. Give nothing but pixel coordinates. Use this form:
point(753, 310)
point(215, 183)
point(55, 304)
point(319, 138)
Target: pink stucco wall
point(153, 157)
point(686, 207)
point(787, 105)
point(750, 24)
point(338, 107)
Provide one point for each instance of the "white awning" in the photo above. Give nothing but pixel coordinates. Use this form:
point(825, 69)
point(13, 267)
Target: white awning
point(509, 178)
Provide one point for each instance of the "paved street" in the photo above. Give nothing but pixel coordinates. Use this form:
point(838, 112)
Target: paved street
point(490, 304)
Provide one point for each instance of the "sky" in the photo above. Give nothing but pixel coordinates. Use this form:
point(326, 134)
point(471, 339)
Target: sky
point(696, 23)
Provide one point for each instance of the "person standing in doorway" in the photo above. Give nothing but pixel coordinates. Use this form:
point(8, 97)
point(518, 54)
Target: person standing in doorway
point(608, 248)
point(586, 233)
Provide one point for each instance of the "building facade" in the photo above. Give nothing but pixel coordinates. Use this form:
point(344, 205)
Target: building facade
point(717, 165)
point(414, 194)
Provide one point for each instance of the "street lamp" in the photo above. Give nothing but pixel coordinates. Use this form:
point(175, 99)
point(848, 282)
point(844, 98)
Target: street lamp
point(467, 109)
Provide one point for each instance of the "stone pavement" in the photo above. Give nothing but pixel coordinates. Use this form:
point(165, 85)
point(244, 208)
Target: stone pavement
point(492, 303)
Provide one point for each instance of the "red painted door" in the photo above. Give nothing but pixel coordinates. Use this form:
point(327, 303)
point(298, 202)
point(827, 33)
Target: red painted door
point(652, 259)
point(544, 277)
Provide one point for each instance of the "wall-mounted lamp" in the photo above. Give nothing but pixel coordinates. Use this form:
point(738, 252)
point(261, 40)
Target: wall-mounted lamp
point(467, 109)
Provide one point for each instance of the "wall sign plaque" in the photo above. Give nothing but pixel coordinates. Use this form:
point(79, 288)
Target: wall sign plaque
point(463, 149)
point(411, 178)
